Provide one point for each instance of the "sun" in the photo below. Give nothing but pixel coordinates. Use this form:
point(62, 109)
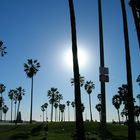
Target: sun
point(82, 58)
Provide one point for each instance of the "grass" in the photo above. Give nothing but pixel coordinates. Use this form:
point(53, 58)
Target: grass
point(62, 131)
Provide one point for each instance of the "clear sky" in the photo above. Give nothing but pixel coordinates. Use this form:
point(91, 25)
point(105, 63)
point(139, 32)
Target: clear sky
point(40, 29)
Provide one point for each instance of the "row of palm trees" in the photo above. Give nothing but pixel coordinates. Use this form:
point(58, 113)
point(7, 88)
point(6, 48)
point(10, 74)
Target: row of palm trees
point(15, 95)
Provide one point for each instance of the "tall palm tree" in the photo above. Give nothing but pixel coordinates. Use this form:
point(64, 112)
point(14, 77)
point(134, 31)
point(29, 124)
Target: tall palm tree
point(43, 109)
point(2, 89)
point(138, 96)
point(5, 109)
point(31, 68)
point(60, 97)
point(68, 104)
point(15, 102)
point(73, 106)
point(20, 92)
point(131, 123)
point(53, 96)
point(62, 108)
point(11, 97)
point(80, 131)
point(55, 106)
point(98, 107)
point(2, 49)
point(89, 86)
point(1, 105)
point(135, 6)
point(46, 106)
point(116, 101)
point(137, 112)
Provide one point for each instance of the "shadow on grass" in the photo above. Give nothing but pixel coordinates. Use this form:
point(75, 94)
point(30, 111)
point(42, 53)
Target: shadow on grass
point(20, 135)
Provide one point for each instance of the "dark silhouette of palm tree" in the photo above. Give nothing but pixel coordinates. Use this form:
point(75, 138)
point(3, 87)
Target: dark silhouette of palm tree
point(56, 106)
point(5, 109)
point(2, 49)
point(89, 86)
point(31, 68)
point(62, 108)
point(46, 106)
point(138, 97)
point(80, 131)
point(83, 107)
point(53, 96)
point(99, 97)
point(137, 112)
point(11, 97)
point(117, 101)
point(2, 89)
point(15, 102)
point(20, 92)
point(98, 107)
point(135, 6)
point(138, 79)
point(131, 123)
point(60, 97)
point(68, 104)
point(43, 110)
point(73, 106)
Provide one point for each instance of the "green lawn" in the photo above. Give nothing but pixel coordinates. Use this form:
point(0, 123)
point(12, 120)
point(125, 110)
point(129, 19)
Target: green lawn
point(62, 131)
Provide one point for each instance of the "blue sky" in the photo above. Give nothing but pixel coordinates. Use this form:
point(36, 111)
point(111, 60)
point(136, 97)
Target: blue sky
point(40, 29)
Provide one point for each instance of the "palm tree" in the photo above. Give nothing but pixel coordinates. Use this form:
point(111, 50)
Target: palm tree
point(62, 108)
point(11, 97)
point(83, 107)
point(73, 106)
point(89, 86)
point(116, 101)
point(2, 89)
point(31, 68)
point(135, 6)
point(99, 97)
point(138, 79)
point(60, 97)
point(1, 105)
point(53, 96)
point(55, 106)
point(80, 131)
point(5, 109)
point(138, 96)
point(81, 78)
point(2, 49)
point(43, 109)
point(20, 92)
point(46, 106)
point(131, 124)
point(68, 104)
point(137, 112)
point(98, 107)
point(15, 102)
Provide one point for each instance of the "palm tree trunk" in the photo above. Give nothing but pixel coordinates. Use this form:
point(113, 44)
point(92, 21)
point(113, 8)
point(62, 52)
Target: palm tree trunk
point(118, 115)
point(31, 101)
point(90, 108)
point(46, 115)
point(102, 84)
point(17, 112)
point(11, 109)
point(131, 123)
point(52, 113)
point(136, 20)
point(43, 116)
point(80, 131)
point(68, 114)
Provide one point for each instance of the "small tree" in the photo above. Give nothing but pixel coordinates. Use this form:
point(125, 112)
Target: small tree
point(116, 101)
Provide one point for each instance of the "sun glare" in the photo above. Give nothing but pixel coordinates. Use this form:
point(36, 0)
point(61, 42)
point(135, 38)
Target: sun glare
point(82, 58)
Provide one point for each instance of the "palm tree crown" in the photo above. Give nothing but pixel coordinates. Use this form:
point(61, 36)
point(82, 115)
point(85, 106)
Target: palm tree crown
point(31, 67)
point(89, 86)
point(2, 49)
